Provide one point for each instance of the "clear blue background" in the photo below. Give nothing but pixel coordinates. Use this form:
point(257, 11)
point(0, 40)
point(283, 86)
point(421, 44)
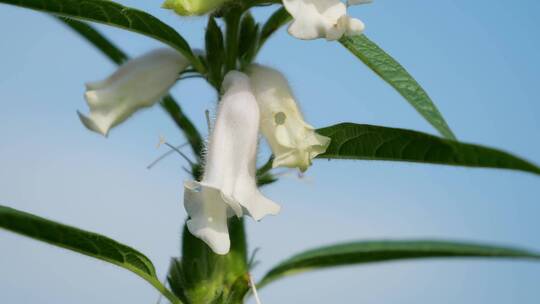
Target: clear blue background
point(479, 61)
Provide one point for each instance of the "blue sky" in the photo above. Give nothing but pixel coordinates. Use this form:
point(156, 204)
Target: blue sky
point(477, 59)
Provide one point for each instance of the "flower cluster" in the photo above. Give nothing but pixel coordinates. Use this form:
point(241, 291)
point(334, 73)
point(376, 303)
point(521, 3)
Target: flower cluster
point(258, 99)
point(312, 19)
point(229, 187)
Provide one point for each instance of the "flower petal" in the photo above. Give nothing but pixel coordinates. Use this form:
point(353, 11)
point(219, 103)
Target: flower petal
point(90, 124)
point(314, 18)
point(139, 83)
point(255, 204)
point(351, 26)
point(228, 185)
point(293, 141)
point(328, 19)
point(309, 25)
point(232, 149)
point(207, 216)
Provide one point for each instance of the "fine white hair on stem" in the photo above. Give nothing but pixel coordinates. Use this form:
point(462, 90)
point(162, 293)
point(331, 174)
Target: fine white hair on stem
point(254, 289)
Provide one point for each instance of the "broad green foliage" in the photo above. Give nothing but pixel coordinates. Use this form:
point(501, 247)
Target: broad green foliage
point(201, 276)
point(382, 251)
point(96, 39)
point(111, 13)
point(394, 74)
point(354, 141)
point(84, 242)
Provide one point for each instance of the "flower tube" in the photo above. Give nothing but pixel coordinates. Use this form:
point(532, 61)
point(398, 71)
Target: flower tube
point(137, 84)
point(229, 185)
point(293, 141)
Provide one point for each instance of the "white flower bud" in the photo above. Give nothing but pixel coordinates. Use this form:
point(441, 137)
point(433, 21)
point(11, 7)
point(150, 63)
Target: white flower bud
point(193, 7)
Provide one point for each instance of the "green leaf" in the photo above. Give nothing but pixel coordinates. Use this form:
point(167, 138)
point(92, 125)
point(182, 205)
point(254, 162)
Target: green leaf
point(114, 14)
point(232, 33)
point(249, 40)
point(353, 141)
point(264, 177)
point(98, 40)
point(394, 74)
point(215, 52)
point(184, 123)
point(383, 251)
point(278, 19)
point(84, 242)
point(248, 30)
point(118, 56)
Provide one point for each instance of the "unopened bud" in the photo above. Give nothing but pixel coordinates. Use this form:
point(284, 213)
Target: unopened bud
point(193, 7)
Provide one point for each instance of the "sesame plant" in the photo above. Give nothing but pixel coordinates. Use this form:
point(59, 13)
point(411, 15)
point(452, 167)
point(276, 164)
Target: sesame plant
point(255, 101)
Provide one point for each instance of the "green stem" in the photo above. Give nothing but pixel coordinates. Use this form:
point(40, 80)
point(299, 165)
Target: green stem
point(278, 19)
point(263, 3)
point(103, 44)
point(197, 64)
point(182, 121)
point(165, 292)
point(266, 167)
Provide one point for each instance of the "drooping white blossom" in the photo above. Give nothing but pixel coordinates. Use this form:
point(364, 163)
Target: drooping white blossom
point(293, 141)
point(137, 84)
point(328, 19)
point(228, 186)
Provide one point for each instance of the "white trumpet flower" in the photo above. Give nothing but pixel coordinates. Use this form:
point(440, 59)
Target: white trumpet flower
point(322, 19)
point(293, 141)
point(228, 186)
point(137, 84)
